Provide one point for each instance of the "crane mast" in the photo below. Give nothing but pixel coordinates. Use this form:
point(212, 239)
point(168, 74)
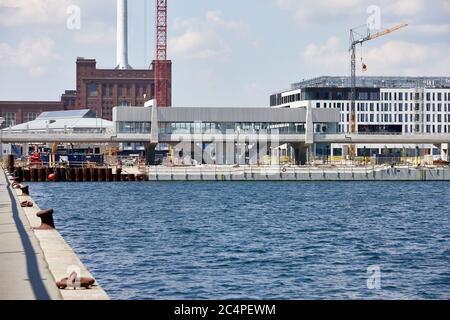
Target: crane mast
point(161, 73)
point(354, 41)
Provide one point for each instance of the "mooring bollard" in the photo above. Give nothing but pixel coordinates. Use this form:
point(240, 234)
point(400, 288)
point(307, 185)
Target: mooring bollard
point(46, 219)
point(73, 281)
point(27, 204)
point(25, 190)
point(27, 175)
point(10, 163)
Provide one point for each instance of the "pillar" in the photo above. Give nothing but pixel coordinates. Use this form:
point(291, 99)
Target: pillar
point(300, 153)
point(150, 154)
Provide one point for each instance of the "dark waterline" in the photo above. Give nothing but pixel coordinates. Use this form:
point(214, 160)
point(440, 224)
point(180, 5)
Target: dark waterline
point(270, 240)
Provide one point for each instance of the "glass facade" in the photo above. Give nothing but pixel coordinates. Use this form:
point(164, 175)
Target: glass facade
point(223, 128)
point(244, 128)
point(134, 127)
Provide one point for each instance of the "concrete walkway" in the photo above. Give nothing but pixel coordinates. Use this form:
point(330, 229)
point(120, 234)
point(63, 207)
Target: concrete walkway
point(24, 273)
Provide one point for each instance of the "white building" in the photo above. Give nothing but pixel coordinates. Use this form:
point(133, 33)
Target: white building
point(401, 105)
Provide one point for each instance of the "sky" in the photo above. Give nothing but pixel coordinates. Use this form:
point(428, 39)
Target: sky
point(224, 52)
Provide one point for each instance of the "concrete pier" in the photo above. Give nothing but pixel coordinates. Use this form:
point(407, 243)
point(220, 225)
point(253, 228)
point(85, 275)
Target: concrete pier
point(32, 261)
point(299, 173)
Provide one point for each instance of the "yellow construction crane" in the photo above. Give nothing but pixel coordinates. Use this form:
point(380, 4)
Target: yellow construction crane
point(358, 39)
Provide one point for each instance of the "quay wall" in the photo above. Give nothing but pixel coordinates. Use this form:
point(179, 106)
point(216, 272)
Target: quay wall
point(59, 256)
point(380, 173)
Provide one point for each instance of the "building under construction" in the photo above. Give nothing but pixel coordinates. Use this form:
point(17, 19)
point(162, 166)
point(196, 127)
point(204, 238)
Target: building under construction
point(102, 89)
point(399, 105)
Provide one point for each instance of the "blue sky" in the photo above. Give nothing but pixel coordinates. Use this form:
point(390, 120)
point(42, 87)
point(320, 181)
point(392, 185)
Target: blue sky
point(225, 53)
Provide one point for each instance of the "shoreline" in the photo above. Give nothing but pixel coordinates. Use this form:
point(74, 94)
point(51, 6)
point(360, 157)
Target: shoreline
point(59, 257)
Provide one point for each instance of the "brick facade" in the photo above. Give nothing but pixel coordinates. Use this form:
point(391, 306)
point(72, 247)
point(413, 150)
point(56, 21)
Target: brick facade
point(16, 112)
point(97, 89)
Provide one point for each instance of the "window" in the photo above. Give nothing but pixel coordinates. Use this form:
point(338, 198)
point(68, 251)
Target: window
point(30, 116)
point(103, 89)
point(128, 89)
point(363, 96)
point(10, 119)
point(92, 89)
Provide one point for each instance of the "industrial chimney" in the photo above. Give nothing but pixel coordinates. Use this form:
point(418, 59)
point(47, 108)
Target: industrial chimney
point(122, 35)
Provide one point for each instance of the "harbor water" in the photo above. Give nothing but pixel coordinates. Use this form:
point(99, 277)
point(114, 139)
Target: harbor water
point(258, 240)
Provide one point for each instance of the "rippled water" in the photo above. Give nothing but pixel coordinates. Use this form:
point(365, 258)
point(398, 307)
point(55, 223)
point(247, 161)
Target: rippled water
point(271, 240)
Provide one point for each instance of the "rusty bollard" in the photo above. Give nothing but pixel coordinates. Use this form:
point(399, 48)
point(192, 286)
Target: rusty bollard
point(27, 204)
point(47, 220)
point(25, 190)
point(17, 180)
point(71, 282)
point(16, 185)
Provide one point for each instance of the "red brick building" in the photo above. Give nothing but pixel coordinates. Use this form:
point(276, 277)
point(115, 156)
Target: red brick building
point(97, 89)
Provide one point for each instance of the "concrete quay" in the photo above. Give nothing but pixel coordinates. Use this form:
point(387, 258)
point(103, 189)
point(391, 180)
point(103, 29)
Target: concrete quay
point(32, 261)
point(299, 173)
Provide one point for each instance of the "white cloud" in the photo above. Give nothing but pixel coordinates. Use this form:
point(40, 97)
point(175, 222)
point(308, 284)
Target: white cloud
point(44, 12)
point(313, 12)
point(329, 57)
point(431, 29)
point(95, 33)
point(406, 8)
point(203, 38)
point(33, 54)
point(392, 58)
point(23, 12)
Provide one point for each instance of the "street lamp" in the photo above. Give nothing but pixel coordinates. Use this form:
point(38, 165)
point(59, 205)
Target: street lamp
point(237, 147)
point(418, 155)
point(365, 155)
point(2, 120)
point(328, 154)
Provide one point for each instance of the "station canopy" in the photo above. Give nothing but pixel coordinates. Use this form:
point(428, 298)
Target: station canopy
point(76, 121)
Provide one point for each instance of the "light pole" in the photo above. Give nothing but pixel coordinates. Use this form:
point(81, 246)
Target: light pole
point(2, 120)
point(237, 147)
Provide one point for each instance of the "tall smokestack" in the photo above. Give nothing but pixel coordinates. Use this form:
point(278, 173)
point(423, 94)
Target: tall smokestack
point(122, 35)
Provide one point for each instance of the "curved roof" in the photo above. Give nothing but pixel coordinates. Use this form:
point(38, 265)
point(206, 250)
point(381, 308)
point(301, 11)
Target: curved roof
point(77, 120)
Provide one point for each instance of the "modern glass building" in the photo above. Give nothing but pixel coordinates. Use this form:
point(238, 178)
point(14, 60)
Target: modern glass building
point(394, 105)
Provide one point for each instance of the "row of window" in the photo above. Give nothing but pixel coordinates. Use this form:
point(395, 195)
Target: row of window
point(410, 96)
point(123, 89)
point(391, 107)
point(343, 128)
point(363, 95)
point(10, 118)
point(225, 127)
point(398, 118)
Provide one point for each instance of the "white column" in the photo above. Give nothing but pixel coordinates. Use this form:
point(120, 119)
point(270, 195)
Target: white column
point(122, 35)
